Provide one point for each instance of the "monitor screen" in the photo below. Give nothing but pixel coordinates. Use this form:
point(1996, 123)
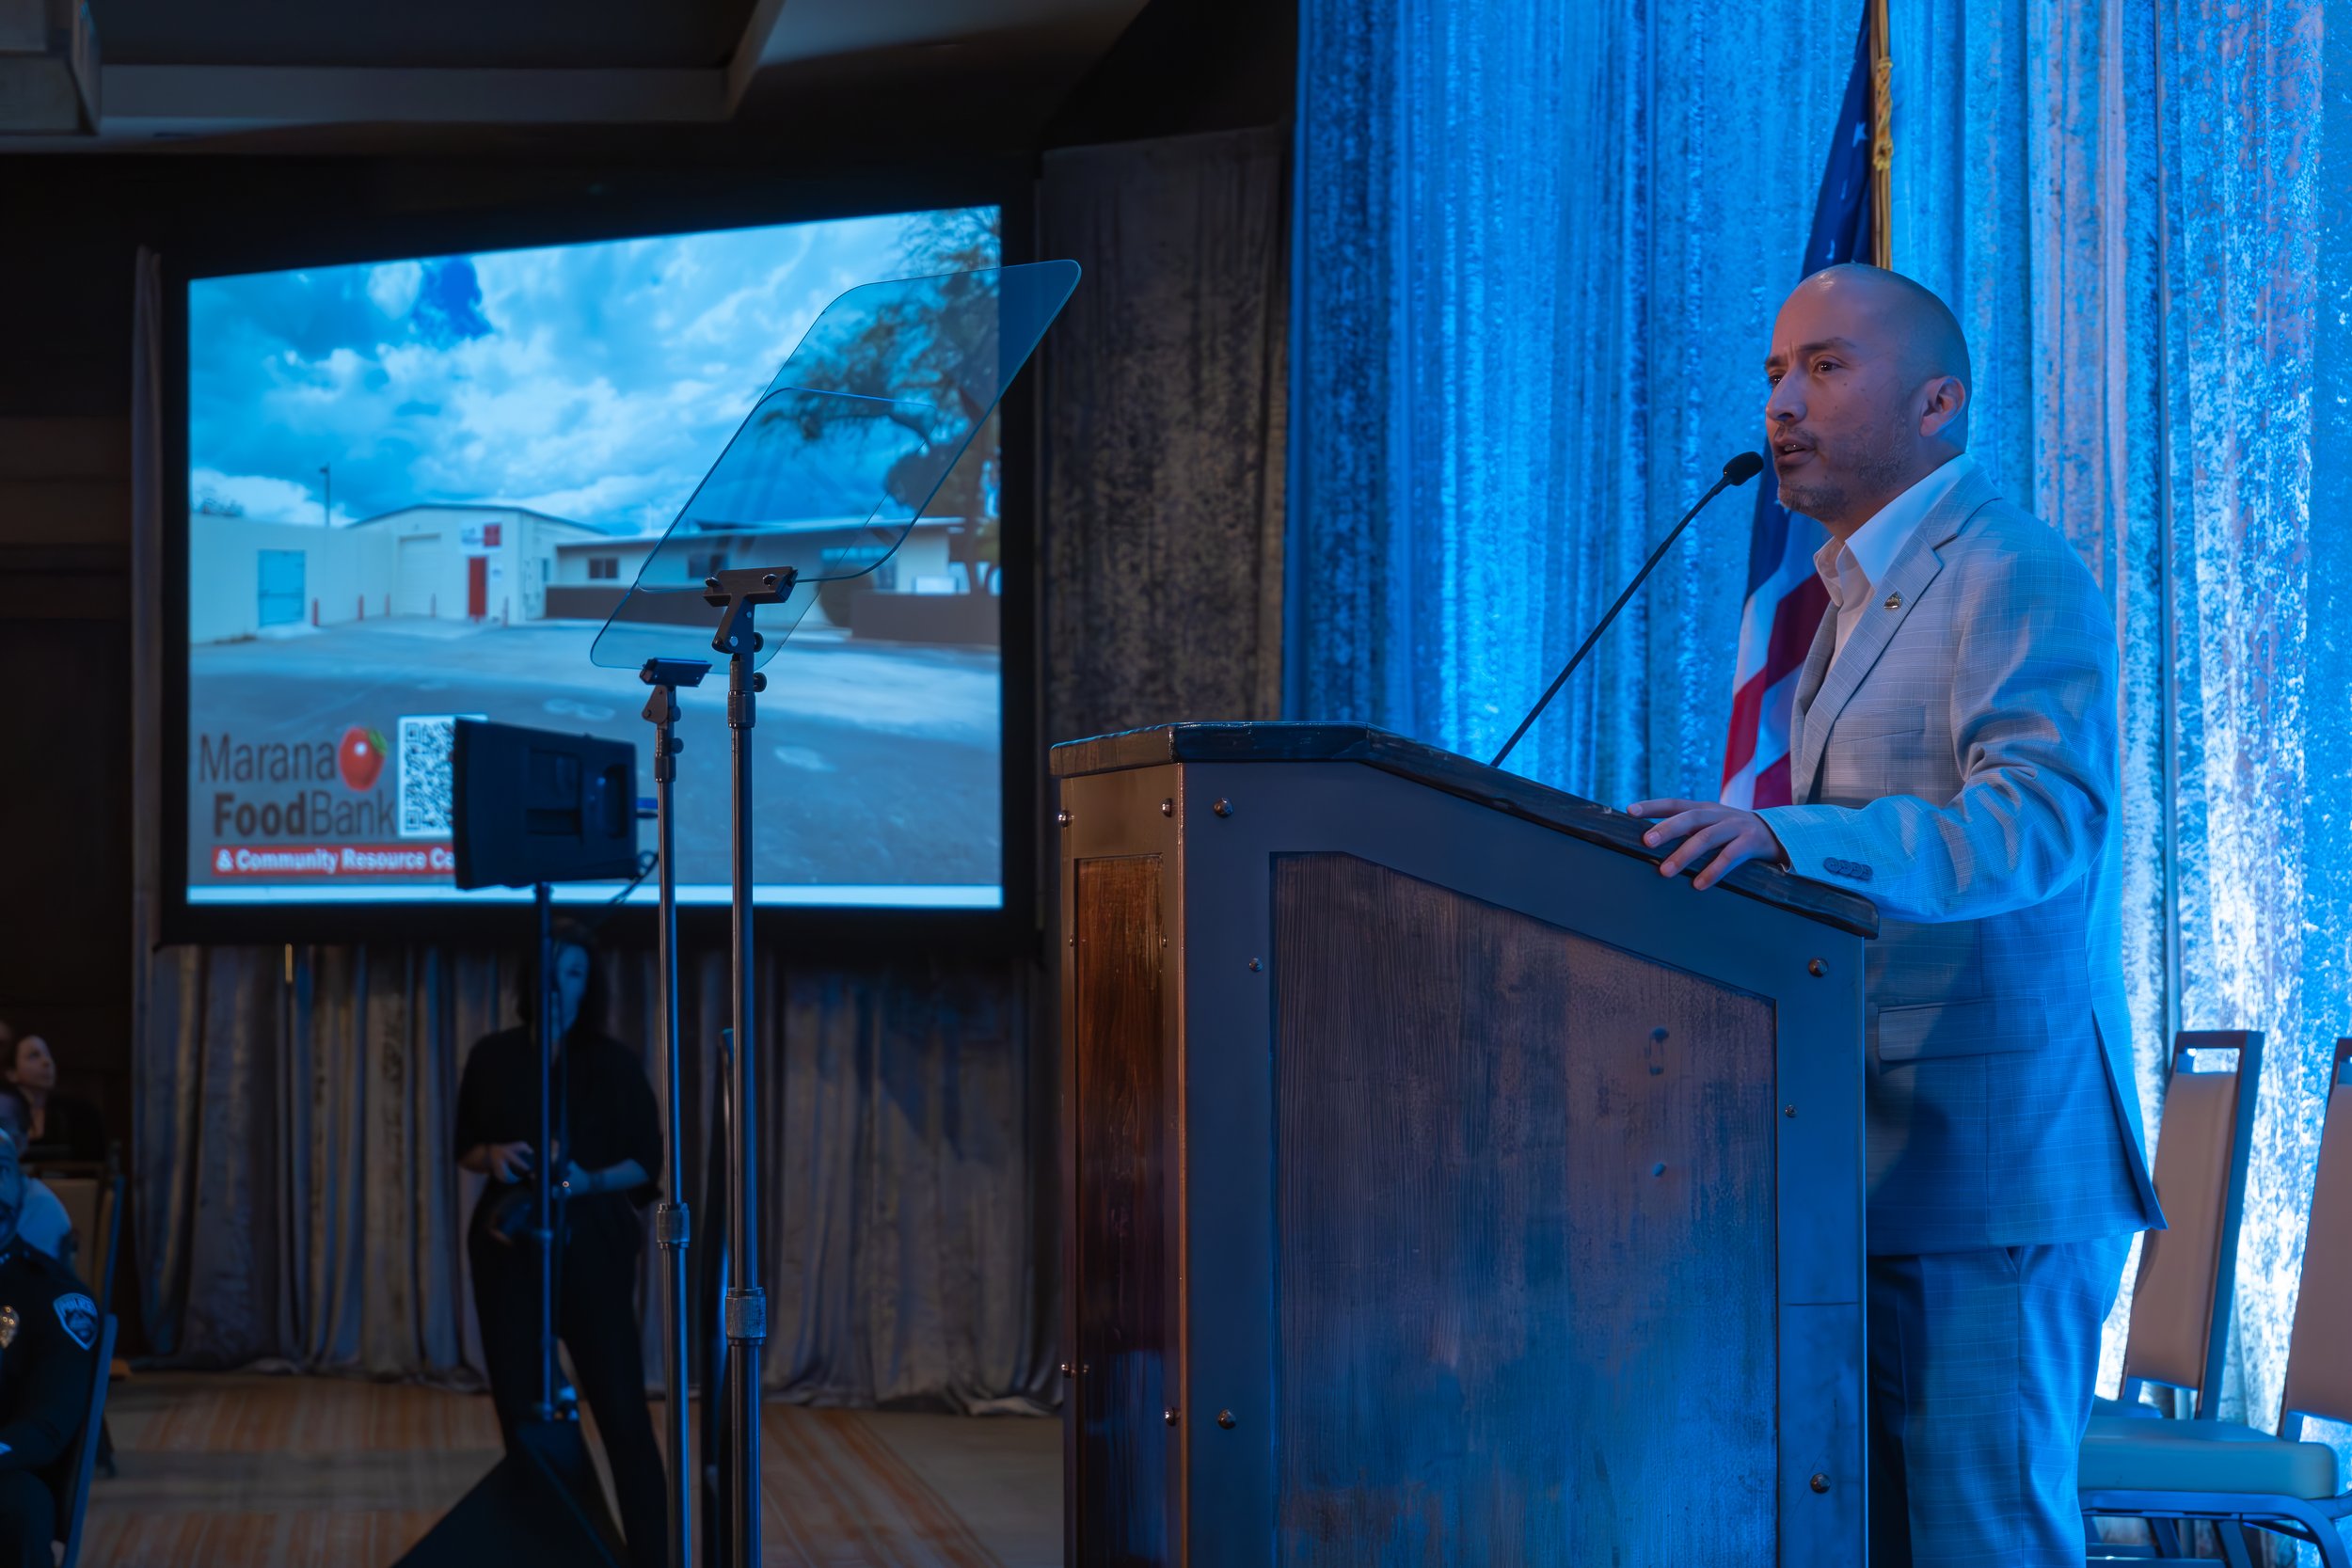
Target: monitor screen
point(417, 486)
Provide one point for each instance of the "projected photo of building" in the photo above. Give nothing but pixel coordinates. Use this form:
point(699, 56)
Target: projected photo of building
point(417, 490)
point(470, 563)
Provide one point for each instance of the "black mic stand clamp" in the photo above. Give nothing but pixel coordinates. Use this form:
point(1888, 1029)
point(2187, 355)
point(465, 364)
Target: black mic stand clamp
point(672, 1224)
point(736, 594)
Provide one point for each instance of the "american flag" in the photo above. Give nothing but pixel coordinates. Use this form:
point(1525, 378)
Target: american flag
point(1785, 599)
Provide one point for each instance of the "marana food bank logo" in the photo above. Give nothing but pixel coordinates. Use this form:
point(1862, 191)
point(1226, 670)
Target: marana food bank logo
point(277, 813)
point(260, 805)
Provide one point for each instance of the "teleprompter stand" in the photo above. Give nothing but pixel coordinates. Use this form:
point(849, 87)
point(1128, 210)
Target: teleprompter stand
point(671, 1224)
point(737, 595)
point(830, 469)
point(544, 1226)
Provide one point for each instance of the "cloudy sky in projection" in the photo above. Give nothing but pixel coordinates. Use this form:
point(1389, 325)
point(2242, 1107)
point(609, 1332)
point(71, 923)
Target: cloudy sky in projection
point(596, 382)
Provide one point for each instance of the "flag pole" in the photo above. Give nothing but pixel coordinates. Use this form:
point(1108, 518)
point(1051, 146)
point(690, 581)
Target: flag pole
point(1882, 137)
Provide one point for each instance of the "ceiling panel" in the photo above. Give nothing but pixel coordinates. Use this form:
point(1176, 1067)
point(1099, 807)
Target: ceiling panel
point(421, 33)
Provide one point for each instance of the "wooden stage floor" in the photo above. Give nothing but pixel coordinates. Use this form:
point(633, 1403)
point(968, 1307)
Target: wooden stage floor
point(245, 1471)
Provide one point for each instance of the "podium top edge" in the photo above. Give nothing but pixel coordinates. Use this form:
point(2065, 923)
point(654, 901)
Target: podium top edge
point(1274, 742)
point(1254, 741)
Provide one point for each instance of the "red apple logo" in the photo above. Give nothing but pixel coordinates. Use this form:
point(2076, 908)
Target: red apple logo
point(359, 758)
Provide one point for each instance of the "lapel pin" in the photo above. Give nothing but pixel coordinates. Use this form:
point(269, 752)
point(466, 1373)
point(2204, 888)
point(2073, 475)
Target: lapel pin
point(1894, 601)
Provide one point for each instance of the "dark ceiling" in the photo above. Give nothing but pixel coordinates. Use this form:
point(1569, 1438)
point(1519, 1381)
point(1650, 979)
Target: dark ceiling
point(421, 34)
point(294, 75)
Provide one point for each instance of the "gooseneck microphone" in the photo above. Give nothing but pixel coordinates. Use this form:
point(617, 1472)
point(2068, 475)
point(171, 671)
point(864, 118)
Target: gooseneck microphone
point(1742, 467)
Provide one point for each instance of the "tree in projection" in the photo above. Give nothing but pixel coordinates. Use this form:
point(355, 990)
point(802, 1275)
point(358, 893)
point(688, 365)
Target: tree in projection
point(926, 352)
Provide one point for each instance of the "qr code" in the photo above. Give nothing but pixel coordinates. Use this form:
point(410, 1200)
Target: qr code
point(425, 795)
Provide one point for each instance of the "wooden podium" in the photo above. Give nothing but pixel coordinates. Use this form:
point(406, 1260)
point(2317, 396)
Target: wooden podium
point(1442, 1184)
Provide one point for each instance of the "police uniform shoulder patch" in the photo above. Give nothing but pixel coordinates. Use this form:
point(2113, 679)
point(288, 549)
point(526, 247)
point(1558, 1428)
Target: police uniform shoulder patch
point(79, 1314)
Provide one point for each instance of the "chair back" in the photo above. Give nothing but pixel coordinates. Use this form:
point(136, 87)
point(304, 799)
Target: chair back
point(97, 1257)
point(2319, 1351)
point(53, 1171)
point(2182, 1298)
point(94, 1205)
point(86, 1447)
point(78, 1196)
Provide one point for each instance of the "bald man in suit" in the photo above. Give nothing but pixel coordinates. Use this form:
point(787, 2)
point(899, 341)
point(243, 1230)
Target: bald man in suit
point(1955, 763)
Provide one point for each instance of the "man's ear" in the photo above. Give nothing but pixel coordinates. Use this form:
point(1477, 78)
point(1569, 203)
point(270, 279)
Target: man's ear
point(1946, 416)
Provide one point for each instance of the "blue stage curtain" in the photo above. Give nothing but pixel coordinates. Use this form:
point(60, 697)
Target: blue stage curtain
point(1538, 250)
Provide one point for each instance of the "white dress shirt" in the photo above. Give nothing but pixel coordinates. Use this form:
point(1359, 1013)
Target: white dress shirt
point(1850, 566)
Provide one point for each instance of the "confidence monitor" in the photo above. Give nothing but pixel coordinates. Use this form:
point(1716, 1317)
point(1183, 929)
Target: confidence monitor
point(539, 806)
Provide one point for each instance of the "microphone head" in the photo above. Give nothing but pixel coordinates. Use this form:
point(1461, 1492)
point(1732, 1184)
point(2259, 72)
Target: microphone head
point(1744, 466)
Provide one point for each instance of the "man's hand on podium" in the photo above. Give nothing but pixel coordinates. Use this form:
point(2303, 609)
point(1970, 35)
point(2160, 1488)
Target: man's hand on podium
point(1741, 836)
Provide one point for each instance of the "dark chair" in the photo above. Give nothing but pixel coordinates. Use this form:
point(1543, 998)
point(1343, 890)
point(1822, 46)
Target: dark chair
point(86, 1448)
point(102, 1282)
point(2233, 1477)
point(94, 1204)
point(2182, 1297)
point(99, 1260)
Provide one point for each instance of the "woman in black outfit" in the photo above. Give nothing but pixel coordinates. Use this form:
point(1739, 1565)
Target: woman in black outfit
point(607, 1145)
point(56, 1126)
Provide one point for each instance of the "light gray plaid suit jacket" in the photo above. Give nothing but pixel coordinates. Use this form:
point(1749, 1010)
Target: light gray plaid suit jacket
point(1957, 765)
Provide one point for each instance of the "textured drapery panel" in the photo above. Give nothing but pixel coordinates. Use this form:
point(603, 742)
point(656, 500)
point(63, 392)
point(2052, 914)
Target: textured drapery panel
point(911, 1246)
point(1504, 239)
point(1166, 380)
point(2260, 557)
point(304, 1205)
point(1539, 248)
point(295, 1178)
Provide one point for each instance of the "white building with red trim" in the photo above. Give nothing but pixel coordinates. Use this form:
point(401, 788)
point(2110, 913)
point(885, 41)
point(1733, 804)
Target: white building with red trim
point(482, 564)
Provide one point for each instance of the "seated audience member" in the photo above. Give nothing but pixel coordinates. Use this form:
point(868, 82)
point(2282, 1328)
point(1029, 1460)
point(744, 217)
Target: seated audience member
point(45, 1222)
point(44, 1225)
point(56, 1126)
point(48, 1355)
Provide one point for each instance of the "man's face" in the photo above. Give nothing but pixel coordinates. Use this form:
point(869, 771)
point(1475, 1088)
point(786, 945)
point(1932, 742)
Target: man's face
point(1842, 430)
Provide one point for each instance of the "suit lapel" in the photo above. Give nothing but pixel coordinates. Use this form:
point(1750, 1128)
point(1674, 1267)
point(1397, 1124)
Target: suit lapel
point(1816, 663)
point(1914, 567)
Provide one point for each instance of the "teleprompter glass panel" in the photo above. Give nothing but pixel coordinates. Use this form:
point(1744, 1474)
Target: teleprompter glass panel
point(858, 435)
